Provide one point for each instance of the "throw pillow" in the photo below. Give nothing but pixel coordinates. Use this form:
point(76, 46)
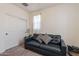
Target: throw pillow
point(39, 37)
point(46, 38)
point(55, 41)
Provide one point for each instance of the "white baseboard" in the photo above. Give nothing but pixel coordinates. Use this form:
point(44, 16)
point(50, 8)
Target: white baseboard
point(3, 50)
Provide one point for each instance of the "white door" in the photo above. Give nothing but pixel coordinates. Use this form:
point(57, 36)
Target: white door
point(14, 31)
point(2, 32)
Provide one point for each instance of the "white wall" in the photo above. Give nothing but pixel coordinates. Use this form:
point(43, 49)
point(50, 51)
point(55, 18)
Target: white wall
point(13, 20)
point(61, 19)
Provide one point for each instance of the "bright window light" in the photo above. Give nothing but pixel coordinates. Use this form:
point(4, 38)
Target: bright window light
point(36, 23)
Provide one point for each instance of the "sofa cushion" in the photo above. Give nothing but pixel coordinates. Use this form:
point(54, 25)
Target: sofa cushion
point(35, 36)
point(56, 36)
point(33, 43)
point(49, 48)
point(55, 41)
point(54, 45)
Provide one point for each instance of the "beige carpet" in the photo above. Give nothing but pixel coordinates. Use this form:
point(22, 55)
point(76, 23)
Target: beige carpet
point(19, 51)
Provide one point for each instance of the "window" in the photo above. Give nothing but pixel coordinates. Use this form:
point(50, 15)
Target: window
point(36, 23)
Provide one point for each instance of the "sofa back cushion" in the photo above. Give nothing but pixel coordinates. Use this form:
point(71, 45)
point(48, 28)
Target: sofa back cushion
point(47, 38)
point(56, 39)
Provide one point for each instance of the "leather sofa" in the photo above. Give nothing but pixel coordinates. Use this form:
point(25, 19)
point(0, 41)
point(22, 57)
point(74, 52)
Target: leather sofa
point(53, 48)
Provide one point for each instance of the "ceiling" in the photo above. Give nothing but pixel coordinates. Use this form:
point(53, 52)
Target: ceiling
point(35, 6)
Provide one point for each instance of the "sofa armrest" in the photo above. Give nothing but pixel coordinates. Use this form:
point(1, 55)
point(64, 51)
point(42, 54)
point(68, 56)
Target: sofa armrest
point(27, 39)
point(63, 47)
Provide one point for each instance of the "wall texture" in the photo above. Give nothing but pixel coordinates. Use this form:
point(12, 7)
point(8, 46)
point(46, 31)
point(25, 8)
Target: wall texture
point(61, 19)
